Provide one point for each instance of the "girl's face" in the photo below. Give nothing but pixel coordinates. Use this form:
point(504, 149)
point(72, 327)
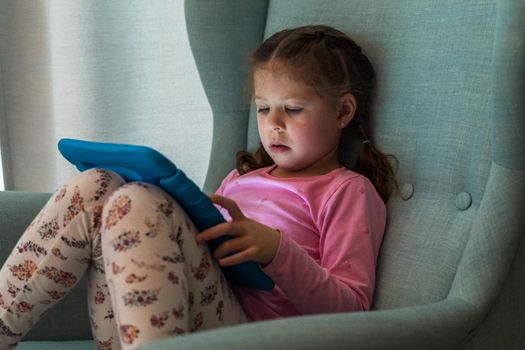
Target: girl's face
point(298, 129)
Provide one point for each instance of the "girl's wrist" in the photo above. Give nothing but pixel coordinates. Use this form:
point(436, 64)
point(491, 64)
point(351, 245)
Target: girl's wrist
point(276, 242)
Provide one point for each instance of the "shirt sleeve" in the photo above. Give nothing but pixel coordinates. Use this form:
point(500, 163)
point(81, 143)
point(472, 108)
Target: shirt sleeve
point(232, 175)
point(351, 227)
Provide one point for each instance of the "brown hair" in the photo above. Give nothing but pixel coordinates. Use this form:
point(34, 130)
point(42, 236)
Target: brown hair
point(333, 64)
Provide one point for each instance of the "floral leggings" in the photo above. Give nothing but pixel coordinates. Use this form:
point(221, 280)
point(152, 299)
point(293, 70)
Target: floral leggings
point(147, 277)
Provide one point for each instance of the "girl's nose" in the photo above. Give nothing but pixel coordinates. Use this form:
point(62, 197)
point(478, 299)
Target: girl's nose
point(275, 121)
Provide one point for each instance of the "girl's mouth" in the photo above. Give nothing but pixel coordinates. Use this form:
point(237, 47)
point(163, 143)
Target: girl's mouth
point(279, 148)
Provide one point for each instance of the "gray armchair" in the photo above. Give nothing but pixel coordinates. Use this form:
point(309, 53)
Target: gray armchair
point(449, 105)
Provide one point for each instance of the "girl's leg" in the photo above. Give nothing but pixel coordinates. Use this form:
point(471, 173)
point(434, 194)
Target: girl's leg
point(53, 254)
point(162, 282)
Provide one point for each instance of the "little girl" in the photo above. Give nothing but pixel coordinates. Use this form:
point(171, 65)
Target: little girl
point(314, 226)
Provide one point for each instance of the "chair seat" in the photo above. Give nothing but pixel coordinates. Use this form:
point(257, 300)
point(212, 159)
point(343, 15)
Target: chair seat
point(57, 345)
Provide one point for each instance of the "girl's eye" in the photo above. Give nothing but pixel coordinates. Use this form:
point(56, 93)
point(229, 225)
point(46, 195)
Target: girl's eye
point(294, 110)
point(263, 110)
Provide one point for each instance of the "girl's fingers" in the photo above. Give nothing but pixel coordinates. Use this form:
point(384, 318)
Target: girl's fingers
point(214, 232)
point(240, 257)
point(229, 246)
point(228, 204)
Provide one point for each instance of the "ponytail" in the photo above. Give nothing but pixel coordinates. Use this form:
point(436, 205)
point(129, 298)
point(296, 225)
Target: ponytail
point(246, 161)
point(375, 165)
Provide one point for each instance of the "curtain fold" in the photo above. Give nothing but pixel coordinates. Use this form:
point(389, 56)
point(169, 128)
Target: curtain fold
point(119, 71)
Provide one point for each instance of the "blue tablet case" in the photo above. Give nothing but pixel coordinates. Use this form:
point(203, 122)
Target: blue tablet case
point(141, 163)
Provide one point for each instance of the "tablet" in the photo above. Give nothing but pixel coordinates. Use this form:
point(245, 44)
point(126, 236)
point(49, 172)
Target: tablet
point(145, 164)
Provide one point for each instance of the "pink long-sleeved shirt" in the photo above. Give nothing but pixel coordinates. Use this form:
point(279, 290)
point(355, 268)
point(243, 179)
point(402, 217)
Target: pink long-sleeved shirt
point(331, 228)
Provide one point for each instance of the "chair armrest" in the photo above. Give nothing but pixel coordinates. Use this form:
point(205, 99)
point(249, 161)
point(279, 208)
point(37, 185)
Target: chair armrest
point(442, 325)
point(17, 210)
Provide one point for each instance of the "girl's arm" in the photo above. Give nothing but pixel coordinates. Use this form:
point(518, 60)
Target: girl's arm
point(352, 225)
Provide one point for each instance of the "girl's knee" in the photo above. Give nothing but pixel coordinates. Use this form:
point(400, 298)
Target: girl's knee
point(97, 183)
point(139, 193)
point(134, 199)
point(139, 206)
point(132, 212)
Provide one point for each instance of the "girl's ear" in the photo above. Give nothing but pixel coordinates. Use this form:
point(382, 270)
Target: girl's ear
point(347, 109)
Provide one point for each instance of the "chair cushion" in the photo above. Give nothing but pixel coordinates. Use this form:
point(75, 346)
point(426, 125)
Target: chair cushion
point(56, 345)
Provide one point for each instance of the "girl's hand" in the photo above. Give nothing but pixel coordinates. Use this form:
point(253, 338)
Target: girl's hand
point(251, 240)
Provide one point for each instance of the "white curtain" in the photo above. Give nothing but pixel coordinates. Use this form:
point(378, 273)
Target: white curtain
point(111, 71)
